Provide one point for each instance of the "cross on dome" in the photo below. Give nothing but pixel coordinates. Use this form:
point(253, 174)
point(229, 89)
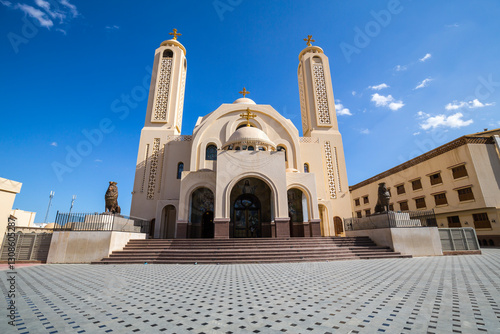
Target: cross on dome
point(309, 40)
point(244, 92)
point(248, 115)
point(175, 34)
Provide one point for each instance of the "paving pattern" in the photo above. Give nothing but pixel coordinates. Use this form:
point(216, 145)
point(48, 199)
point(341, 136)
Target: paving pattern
point(449, 294)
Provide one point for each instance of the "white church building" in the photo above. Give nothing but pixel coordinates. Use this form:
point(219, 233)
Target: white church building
point(244, 172)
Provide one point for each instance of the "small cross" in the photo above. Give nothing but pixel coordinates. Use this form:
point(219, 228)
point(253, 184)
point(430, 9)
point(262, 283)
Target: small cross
point(309, 40)
point(175, 34)
point(244, 92)
point(248, 115)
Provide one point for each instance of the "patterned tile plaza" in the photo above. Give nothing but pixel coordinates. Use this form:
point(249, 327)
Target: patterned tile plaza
point(453, 294)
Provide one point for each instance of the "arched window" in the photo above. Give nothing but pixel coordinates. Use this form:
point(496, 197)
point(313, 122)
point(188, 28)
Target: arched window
point(168, 54)
point(251, 148)
point(180, 168)
point(211, 152)
point(261, 148)
point(306, 168)
point(281, 148)
point(237, 148)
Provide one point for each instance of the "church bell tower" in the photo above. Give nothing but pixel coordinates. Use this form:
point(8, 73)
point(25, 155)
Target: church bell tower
point(316, 93)
point(163, 120)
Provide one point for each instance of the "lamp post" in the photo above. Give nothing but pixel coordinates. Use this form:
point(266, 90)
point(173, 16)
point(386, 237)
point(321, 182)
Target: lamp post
point(51, 195)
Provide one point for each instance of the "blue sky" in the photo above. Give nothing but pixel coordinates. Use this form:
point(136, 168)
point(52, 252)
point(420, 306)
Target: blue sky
point(408, 76)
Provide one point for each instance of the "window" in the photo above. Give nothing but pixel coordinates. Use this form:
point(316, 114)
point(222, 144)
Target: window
point(440, 199)
point(365, 200)
point(251, 148)
point(261, 148)
point(180, 168)
point(436, 178)
point(306, 168)
point(403, 206)
point(168, 53)
point(358, 214)
point(459, 171)
point(211, 152)
point(416, 184)
point(281, 148)
point(367, 212)
point(481, 220)
point(454, 221)
point(420, 202)
point(391, 207)
point(356, 201)
point(400, 189)
point(237, 148)
point(465, 194)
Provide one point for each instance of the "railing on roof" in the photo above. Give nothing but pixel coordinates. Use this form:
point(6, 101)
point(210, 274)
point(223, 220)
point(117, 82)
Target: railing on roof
point(100, 222)
point(392, 219)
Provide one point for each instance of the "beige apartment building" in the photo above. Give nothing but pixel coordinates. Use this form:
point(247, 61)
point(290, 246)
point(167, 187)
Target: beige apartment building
point(460, 180)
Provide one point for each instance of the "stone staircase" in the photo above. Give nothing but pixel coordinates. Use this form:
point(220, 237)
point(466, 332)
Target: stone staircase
point(262, 250)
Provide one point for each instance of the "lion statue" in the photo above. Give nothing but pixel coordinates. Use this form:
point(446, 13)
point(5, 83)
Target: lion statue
point(384, 198)
point(111, 198)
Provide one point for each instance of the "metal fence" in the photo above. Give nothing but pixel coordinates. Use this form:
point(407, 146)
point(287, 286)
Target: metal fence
point(391, 219)
point(458, 239)
point(100, 222)
point(28, 246)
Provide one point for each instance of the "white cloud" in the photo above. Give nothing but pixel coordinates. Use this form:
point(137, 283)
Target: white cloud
point(98, 160)
point(387, 101)
point(6, 3)
point(72, 8)
point(37, 14)
point(353, 93)
point(46, 7)
point(365, 131)
point(454, 25)
point(379, 87)
point(471, 105)
point(341, 110)
point(62, 30)
point(452, 121)
point(416, 133)
point(401, 68)
point(424, 58)
point(53, 144)
point(424, 83)
point(113, 27)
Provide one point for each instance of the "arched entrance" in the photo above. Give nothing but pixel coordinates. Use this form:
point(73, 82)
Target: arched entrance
point(168, 218)
point(247, 217)
point(201, 223)
point(250, 209)
point(207, 225)
point(297, 211)
point(339, 225)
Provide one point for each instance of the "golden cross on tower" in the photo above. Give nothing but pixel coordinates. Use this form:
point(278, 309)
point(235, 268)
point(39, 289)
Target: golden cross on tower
point(248, 115)
point(309, 40)
point(175, 34)
point(244, 92)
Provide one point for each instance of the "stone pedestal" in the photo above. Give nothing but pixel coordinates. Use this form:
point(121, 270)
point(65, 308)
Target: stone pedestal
point(181, 230)
point(282, 227)
point(315, 227)
point(221, 228)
